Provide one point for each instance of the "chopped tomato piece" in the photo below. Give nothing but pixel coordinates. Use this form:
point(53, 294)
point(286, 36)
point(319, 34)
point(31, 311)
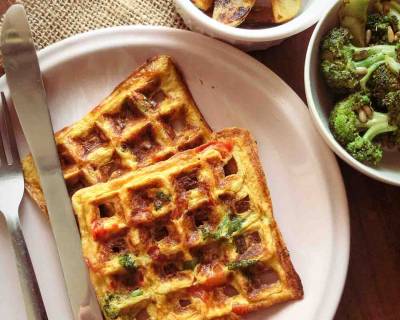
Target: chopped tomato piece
point(141, 216)
point(240, 309)
point(198, 292)
point(222, 146)
point(215, 275)
point(155, 253)
point(176, 214)
point(100, 231)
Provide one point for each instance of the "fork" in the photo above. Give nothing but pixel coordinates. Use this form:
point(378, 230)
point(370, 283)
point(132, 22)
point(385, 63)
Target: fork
point(11, 192)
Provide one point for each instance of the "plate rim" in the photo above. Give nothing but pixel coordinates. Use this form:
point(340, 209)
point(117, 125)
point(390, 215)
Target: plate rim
point(49, 55)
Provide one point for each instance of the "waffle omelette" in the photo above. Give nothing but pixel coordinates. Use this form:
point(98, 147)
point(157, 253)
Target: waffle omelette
point(173, 226)
point(192, 237)
point(147, 118)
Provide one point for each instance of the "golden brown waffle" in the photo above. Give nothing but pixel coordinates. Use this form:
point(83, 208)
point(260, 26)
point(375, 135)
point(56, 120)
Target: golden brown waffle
point(192, 237)
point(147, 118)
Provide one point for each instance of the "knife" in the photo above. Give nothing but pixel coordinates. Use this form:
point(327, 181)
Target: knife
point(27, 91)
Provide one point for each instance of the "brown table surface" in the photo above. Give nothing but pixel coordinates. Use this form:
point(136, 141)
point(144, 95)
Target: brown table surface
point(372, 290)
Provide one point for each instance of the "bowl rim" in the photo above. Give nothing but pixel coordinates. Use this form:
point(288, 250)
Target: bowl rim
point(301, 22)
point(325, 132)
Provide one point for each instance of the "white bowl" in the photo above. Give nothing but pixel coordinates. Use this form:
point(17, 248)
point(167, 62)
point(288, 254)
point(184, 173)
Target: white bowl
point(320, 104)
point(250, 39)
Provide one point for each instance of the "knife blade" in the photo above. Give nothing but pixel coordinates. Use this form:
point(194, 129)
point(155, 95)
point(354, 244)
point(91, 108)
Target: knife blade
point(28, 94)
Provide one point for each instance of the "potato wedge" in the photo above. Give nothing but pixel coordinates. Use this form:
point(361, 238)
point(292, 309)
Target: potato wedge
point(261, 15)
point(285, 10)
point(203, 4)
point(232, 12)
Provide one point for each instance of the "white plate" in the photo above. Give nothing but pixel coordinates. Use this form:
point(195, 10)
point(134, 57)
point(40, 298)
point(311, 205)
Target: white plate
point(231, 89)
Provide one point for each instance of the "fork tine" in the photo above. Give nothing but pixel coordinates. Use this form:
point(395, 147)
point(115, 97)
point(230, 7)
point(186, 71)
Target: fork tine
point(9, 130)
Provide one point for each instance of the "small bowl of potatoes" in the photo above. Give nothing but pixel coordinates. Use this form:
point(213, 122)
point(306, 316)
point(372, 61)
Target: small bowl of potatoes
point(251, 24)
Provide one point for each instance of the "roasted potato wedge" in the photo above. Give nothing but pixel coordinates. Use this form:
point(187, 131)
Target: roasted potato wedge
point(232, 12)
point(203, 4)
point(285, 10)
point(261, 15)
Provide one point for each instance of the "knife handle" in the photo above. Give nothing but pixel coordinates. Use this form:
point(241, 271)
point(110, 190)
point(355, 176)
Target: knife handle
point(34, 306)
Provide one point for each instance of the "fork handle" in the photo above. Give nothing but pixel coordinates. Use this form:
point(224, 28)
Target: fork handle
point(34, 306)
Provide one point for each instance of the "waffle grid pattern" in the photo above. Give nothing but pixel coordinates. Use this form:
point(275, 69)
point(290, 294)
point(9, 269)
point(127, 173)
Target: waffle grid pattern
point(148, 118)
point(183, 239)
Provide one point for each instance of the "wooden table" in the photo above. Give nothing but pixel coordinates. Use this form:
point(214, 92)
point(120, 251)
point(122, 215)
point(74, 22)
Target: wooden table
point(372, 290)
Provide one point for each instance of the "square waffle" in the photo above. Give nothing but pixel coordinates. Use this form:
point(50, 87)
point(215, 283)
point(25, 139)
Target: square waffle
point(147, 118)
point(192, 237)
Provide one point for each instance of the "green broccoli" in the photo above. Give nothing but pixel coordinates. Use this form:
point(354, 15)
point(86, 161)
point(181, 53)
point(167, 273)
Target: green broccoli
point(343, 118)
point(347, 68)
point(392, 103)
point(382, 81)
point(355, 125)
point(379, 25)
point(392, 9)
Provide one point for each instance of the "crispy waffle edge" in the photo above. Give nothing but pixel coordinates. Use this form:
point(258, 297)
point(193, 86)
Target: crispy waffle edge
point(294, 281)
point(32, 180)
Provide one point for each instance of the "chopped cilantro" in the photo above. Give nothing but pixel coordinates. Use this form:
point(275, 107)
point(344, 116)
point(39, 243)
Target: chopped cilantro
point(241, 264)
point(206, 233)
point(124, 147)
point(110, 305)
point(127, 262)
point(158, 204)
point(143, 105)
point(136, 293)
point(160, 199)
point(234, 225)
point(112, 302)
point(163, 196)
point(225, 229)
point(190, 264)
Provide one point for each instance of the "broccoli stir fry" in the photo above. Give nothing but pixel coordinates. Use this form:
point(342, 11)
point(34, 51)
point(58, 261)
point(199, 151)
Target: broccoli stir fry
point(360, 62)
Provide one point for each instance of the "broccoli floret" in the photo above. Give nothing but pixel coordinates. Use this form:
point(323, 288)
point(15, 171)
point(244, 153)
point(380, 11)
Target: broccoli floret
point(355, 125)
point(343, 119)
point(347, 68)
point(386, 78)
point(392, 9)
point(379, 25)
point(382, 81)
point(392, 104)
point(363, 148)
